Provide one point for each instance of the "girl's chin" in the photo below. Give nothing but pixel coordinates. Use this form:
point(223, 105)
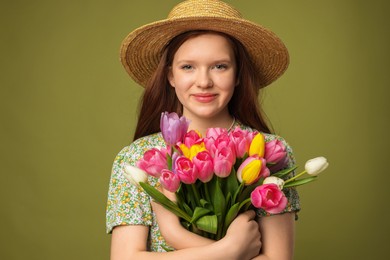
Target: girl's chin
point(203, 114)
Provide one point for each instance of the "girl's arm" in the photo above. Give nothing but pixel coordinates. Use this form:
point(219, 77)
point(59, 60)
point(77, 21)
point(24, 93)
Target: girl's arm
point(129, 242)
point(173, 232)
point(277, 235)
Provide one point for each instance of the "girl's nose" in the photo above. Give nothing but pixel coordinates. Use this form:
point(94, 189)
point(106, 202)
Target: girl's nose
point(204, 80)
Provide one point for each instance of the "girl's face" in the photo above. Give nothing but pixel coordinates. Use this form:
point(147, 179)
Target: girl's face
point(203, 74)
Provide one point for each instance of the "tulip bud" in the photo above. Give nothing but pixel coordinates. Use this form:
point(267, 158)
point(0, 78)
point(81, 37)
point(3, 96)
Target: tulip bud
point(186, 171)
point(173, 128)
point(316, 165)
point(134, 175)
point(257, 146)
point(169, 180)
point(269, 198)
point(223, 162)
point(275, 180)
point(251, 170)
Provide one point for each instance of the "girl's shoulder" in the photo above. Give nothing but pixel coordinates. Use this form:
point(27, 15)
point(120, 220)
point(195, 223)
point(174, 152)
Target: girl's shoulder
point(134, 151)
point(148, 142)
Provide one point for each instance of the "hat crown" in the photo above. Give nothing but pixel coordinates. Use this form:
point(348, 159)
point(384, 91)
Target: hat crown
point(204, 8)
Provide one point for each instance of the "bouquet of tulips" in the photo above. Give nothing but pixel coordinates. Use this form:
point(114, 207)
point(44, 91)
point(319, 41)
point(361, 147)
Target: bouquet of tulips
point(217, 176)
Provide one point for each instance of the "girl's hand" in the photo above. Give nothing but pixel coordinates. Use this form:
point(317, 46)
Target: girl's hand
point(243, 236)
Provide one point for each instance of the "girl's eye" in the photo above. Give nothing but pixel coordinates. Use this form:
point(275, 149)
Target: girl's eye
point(221, 66)
point(186, 67)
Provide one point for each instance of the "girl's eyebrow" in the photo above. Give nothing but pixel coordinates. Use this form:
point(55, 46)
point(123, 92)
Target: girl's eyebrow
point(214, 61)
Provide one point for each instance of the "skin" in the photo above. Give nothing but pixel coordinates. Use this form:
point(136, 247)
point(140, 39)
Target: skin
point(203, 75)
point(277, 233)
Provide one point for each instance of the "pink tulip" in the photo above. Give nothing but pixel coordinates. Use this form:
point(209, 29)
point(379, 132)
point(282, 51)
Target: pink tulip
point(283, 163)
point(224, 160)
point(204, 165)
point(186, 170)
point(153, 162)
point(223, 140)
point(274, 151)
point(169, 180)
point(242, 140)
point(215, 132)
point(173, 128)
point(269, 198)
point(192, 137)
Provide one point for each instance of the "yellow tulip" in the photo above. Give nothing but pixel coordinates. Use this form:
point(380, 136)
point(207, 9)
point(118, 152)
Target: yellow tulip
point(249, 170)
point(193, 150)
point(257, 146)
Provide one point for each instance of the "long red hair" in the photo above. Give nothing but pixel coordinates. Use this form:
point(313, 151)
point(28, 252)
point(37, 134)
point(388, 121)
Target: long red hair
point(159, 96)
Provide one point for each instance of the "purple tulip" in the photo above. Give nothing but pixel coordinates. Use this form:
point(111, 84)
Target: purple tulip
point(173, 128)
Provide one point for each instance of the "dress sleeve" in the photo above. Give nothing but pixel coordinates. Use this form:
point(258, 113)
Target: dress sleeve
point(293, 204)
point(126, 204)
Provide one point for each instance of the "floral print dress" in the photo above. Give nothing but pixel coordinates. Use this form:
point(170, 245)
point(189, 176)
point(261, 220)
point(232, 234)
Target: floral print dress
point(129, 205)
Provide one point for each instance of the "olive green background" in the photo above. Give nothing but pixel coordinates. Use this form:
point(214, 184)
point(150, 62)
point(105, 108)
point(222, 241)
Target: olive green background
point(67, 108)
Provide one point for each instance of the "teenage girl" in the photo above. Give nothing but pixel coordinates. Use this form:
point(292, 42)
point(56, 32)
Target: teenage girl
point(207, 63)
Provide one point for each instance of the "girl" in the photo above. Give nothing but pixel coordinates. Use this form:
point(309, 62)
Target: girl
point(207, 63)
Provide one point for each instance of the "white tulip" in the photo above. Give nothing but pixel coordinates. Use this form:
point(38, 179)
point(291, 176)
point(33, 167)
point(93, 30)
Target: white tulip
point(316, 165)
point(274, 180)
point(134, 175)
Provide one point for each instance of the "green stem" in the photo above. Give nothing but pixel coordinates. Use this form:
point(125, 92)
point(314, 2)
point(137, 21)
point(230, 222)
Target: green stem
point(196, 193)
point(207, 192)
point(295, 177)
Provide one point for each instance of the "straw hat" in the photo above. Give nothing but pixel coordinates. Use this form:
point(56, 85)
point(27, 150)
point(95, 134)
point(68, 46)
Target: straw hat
point(141, 49)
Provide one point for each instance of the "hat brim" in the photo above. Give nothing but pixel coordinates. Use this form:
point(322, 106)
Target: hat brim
point(141, 50)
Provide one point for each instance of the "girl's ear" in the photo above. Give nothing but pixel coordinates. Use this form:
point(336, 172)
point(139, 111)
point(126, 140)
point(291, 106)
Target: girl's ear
point(237, 82)
point(170, 77)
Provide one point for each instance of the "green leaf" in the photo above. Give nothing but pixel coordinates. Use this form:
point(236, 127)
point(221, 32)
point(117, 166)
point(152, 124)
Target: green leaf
point(187, 209)
point(247, 190)
point(230, 216)
point(237, 193)
point(208, 223)
point(198, 213)
point(247, 202)
point(284, 172)
point(164, 201)
point(219, 201)
point(300, 182)
point(231, 182)
point(206, 204)
point(169, 161)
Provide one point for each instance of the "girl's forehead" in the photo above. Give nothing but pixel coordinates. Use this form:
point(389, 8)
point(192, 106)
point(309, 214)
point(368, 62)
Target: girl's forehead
point(206, 44)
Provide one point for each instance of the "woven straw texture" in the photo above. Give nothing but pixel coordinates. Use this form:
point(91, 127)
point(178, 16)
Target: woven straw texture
point(141, 49)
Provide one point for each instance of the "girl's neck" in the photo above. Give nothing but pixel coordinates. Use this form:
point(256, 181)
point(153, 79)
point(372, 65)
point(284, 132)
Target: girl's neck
point(202, 124)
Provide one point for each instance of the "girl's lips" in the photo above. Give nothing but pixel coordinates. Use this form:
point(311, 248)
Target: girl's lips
point(204, 98)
